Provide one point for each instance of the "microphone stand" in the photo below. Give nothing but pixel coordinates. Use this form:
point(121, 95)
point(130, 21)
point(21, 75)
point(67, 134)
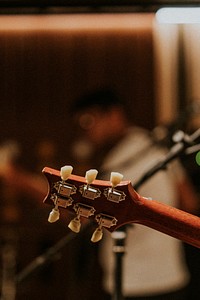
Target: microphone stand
point(119, 238)
point(49, 255)
point(43, 259)
point(8, 285)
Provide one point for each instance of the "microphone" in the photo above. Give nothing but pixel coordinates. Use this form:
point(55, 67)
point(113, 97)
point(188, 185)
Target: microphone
point(164, 134)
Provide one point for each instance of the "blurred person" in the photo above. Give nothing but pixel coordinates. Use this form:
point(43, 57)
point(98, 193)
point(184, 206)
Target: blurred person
point(154, 263)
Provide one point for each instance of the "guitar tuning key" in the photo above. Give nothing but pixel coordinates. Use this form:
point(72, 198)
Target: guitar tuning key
point(64, 192)
point(97, 235)
point(65, 172)
point(75, 224)
point(88, 191)
point(111, 193)
point(91, 175)
point(82, 210)
point(105, 221)
point(115, 178)
point(54, 215)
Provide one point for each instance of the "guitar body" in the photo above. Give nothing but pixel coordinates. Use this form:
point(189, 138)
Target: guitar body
point(111, 207)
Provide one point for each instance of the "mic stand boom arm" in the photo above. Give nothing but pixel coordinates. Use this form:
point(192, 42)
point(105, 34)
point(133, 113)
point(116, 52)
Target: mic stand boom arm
point(44, 258)
point(182, 146)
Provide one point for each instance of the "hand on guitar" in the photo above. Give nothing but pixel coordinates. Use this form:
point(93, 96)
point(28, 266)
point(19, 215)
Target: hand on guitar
point(113, 204)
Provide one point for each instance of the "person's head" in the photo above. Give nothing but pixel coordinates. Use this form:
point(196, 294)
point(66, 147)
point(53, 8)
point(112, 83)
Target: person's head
point(101, 116)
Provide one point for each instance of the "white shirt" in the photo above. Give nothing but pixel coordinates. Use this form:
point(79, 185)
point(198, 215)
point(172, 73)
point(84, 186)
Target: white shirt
point(154, 262)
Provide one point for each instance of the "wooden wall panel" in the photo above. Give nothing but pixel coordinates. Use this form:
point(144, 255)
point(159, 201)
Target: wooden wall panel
point(42, 71)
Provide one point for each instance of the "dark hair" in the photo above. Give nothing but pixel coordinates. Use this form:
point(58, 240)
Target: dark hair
point(102, 98)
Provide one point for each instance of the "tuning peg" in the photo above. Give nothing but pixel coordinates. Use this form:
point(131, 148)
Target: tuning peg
point(97, 235)
point(75, 224)
point(91, 175)
point(65, 172)
point(115, 178)
point(54, 215)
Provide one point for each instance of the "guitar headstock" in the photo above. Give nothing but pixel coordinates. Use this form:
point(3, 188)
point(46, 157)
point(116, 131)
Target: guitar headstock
point(108, 203)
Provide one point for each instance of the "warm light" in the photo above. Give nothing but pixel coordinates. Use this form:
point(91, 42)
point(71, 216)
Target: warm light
point(76, 22)
point(179, 15)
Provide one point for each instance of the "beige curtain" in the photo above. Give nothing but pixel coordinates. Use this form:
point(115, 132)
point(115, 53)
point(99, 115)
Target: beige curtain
point(166, 75)
point(172, 41)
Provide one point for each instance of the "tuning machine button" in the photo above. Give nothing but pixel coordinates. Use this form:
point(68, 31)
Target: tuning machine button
point(82, 210)
point(65, 172)
point(115, 178)
point(91, 175)
point(87, 190)
point(97, 235)
point(75, 224)
point(111, 193)
point(64, 189)
point(54, 215)
point(103, 220)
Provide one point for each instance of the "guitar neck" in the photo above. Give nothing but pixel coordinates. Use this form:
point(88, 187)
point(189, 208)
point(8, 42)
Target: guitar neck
point(170, 220)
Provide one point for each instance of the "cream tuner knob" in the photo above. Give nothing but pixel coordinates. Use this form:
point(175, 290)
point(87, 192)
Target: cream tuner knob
point(75, 225)
point(65, 172)
point(97, 235)
point(91, 175)
point(54, 215)
point(115, 178)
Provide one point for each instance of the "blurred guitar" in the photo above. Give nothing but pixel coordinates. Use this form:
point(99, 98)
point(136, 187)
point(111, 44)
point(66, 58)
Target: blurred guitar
point(112, 204)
